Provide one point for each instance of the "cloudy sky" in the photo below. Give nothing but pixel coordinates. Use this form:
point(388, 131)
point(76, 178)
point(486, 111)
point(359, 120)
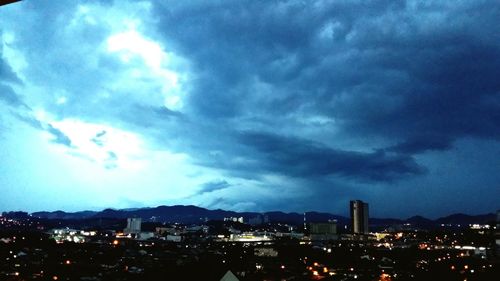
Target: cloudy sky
point(251, 105)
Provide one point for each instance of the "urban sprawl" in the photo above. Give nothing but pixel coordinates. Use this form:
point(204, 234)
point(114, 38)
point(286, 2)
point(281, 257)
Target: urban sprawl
point(238, 248)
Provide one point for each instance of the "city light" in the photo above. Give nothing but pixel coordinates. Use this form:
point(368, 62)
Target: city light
point(385, 277)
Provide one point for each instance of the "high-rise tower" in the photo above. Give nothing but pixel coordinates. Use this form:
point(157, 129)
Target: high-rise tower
point(133, 225)
point(359, 217)
point(305, 223)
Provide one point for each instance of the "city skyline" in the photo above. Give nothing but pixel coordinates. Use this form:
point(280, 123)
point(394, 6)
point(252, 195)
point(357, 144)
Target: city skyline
point(251, 106)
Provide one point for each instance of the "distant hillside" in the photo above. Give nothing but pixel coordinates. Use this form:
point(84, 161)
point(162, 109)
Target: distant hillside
point(466, 219)
point(64, 215)
point(194, 214)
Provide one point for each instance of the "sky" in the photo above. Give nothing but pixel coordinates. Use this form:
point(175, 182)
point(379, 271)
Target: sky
point(251, 105)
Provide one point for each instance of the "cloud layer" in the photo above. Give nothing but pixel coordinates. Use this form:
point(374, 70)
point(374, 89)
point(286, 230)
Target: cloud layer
point(342, 99)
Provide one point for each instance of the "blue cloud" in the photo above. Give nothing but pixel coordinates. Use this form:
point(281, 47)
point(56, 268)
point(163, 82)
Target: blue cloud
point(213, 186)
point(98, 138)
point(59, 137)
point(306, 159)
point(8, 96)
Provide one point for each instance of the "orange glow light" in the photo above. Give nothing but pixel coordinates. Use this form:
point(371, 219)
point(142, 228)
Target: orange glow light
point(385, 277)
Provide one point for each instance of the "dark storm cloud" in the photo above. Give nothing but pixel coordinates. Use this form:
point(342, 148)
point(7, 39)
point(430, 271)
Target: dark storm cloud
point(412, 75)
point(230, 44)
point(302, 158)
point(423, 143)
point(320, 100)
point(451, 94)
point(7, 75)
point(213, 186)
point(148, 116)
point(58, 136)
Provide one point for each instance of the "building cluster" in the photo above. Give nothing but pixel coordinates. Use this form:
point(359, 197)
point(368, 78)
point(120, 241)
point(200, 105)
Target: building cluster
point(231, 250)
point(257, 220)
point(234, 219)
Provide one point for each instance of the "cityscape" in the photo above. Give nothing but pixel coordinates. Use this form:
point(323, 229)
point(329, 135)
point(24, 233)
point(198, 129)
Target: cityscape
point(249, 140)
point(246, 246)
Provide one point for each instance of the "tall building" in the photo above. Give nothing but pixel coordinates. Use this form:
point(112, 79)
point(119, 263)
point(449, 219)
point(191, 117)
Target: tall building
point(359, 217)
point(305, 222)
point(323, 230)
point(133, 225)
point(259, 219)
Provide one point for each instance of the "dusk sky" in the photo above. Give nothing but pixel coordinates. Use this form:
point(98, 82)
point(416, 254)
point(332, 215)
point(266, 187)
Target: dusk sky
point(251, 105)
